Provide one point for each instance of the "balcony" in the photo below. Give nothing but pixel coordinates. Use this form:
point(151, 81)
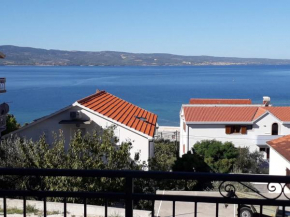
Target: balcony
point(261, 140)
point(2, 85)
point(126, 195)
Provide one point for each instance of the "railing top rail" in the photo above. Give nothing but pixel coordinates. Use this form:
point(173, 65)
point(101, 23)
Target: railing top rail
point(145, 174)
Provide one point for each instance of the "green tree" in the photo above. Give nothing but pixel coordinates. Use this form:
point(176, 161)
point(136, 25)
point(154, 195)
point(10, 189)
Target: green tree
point(11, 124)
point(220, 157)
point(96, 151)
point(164, 155)
point(251, 162)
point(191, 162)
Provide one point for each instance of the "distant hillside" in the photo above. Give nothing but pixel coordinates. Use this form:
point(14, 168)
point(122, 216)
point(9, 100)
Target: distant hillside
point(40, 57)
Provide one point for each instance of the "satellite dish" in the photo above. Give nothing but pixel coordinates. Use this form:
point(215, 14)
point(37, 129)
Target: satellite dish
point(4, 108)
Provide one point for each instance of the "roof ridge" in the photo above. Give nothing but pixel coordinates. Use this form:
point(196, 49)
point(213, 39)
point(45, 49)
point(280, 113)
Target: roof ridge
point(90, 96)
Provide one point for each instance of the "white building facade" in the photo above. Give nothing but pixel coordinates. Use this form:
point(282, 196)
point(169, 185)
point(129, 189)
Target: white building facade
point(280, 161)
point(245, 125)
point(99, 111)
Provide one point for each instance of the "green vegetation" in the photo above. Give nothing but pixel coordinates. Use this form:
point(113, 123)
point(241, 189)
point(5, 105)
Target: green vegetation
point(97, 151)
point(11, 124)
point(100, 151)
point(29, 210)
point(250, 162)
point(164, 155)
point(191, 162)
point(220, 157)
point(33, 56)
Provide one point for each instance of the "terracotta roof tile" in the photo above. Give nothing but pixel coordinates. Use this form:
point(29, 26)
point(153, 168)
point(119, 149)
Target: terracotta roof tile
point(282, 146)
point(282, 113)
point(121, 111)
point(219, 114)
point(259, 113)
point(220, 101)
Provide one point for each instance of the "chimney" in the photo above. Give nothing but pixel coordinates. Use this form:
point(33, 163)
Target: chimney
point(266, 100)
point(98, 91)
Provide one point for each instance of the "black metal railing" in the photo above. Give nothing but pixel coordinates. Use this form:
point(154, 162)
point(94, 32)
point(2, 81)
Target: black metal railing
point(227, 191)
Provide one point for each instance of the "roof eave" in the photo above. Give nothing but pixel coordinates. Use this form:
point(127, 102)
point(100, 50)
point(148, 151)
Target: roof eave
point(113, 121)
point(277, 152)
point(38, 121)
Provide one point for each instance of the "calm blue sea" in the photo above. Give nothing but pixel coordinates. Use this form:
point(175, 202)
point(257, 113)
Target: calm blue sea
point(33, 92)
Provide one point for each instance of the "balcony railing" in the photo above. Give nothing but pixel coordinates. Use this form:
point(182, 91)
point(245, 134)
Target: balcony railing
point(2, 85)
point(227, 190)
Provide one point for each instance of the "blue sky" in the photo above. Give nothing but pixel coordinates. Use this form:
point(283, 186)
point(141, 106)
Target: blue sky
point(244, 28)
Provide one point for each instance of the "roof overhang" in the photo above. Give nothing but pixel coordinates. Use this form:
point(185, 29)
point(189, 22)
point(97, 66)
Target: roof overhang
point(277, 152)
point(113, 121)
point(37, 121)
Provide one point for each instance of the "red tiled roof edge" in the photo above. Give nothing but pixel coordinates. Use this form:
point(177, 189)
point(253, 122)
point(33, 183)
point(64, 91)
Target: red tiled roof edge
point(281, 145)
point(219, 101)
point(94, 97)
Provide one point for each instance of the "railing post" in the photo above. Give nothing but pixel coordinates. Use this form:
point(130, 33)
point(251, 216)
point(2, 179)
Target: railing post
point(129, 199)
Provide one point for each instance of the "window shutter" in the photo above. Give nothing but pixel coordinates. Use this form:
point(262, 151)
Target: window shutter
point(183, 149)
point(184, 126)
point(244, 130)
point(228, 129)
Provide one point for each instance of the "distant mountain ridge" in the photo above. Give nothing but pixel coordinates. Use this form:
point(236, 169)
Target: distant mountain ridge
point(41, 57)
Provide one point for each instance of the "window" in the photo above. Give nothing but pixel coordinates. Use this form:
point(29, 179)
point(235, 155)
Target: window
point(236, 129)
point(275, 129)
point(267, 151)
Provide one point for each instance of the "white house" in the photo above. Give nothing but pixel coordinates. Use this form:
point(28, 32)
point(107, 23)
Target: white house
point(280, 160)
point(236, 120)
point(101, 109)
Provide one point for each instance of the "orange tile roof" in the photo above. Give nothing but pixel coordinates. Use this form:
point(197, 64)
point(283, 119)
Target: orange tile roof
point(219, 114)
point(220, 101)
point(282, 113)
point(260, 112)
point(121, 111)
point(282, 146)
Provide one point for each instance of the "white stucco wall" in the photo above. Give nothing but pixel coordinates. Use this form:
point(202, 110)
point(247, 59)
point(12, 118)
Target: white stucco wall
point(278, 165)
point(254, 139)
point(140, 143)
